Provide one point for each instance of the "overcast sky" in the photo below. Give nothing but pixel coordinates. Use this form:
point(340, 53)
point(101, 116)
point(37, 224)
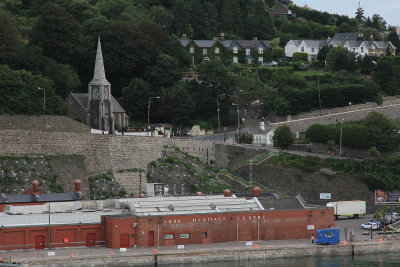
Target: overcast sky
point(388, 9)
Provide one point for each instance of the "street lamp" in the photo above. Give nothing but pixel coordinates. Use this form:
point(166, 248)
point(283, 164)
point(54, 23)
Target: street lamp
point(341, 133)
point(148, 111)
point(219, 125)
point(44, 99)
point(238, 126)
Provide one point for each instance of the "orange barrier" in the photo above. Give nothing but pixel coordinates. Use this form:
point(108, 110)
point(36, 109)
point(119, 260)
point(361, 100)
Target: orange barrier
point(255, 246)
point(155, 251)
point(380, 239)
point(71, 255)
point(344, 242)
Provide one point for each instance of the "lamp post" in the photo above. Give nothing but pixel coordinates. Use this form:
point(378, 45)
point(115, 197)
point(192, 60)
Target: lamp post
point(341, 133)
point(148, 111)
point(44, 99)
point(219, 125)
point(238, 119)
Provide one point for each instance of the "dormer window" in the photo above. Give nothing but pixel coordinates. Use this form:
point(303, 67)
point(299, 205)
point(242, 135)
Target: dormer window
point(191, 50)
point(260, 50)
point(247, 51)
point(312, 49)
point(302, 49)
point(362, 49)
point(204, 51)
point(217, 50)
point(235, 50)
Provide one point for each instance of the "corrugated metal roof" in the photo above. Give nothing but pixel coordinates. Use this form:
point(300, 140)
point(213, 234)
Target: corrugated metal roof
point(189, 205)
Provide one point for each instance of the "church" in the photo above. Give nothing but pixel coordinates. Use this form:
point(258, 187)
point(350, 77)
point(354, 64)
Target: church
point(97, 108)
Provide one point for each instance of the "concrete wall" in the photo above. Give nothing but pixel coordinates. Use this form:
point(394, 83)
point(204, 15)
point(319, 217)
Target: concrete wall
point(301, 122)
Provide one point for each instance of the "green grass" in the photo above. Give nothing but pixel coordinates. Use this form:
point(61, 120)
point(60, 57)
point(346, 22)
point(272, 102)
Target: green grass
point(308, 73)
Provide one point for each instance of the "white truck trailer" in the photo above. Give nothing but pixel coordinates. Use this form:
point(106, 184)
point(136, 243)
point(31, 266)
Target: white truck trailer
point(353, 208)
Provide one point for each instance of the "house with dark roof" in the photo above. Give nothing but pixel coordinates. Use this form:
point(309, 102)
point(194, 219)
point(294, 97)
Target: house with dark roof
point(230, 51)
point(97, 108)
point(352, 41)
point(281, 11)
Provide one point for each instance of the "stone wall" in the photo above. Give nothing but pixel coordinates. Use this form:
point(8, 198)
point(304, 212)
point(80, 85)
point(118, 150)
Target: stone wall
point(102, 153)
point(300, 123)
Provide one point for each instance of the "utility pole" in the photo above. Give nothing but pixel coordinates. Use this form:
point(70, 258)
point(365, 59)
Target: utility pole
point(218, 110)
point(238, 121)
point(341, 134)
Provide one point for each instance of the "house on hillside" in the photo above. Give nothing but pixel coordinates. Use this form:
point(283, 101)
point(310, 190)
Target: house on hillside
point(229, 51)
point(97, 108)
point(311, 47)
point(261, 135)
point(281, 11)
point(352, 41)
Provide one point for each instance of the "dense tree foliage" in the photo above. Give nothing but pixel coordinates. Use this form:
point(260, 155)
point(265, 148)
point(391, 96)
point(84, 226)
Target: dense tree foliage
point(283, 137)
point(375, 130)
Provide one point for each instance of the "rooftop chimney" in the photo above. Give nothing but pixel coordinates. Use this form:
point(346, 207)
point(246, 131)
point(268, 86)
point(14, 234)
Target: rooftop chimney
point(255, 38)
point(227, 193)
point(256, 191)
point(262, 126)
point(142, 195)
point(184, 36)
point(35, 187)
point(199, 194)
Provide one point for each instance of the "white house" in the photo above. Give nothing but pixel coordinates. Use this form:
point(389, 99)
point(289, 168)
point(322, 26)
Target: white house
point(261, 135)
point(311, 47)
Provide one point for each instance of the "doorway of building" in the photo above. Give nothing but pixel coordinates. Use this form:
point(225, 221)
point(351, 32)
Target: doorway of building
point(151, 238)
point(124, 241)
point(39, 242)
point(90, 239)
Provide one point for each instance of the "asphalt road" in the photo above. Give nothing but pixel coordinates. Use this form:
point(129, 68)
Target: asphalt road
point(218, 137)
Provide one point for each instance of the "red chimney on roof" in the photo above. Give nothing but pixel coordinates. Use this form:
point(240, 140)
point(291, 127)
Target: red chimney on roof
point(227, 193)
point(256, 191)
point(35, 187)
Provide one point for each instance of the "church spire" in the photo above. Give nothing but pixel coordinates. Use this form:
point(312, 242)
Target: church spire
point(99, 75)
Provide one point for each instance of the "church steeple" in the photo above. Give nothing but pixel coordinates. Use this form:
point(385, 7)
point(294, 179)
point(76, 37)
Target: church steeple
point(99, 75)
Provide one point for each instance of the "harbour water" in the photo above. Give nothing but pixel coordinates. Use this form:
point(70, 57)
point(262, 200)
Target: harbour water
point(370, 260)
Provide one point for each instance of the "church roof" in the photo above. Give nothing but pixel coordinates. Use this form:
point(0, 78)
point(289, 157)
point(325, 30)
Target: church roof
point(99, 76)
point(82, 98)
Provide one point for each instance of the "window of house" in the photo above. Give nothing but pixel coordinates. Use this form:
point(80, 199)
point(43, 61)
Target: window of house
point(206, 59)
point(247, 51)
point(185, 235)
point(217, 50)
point(191, 50)
point(261, 60)
point(362, 49)
point(235, 59)
point(260, 50)
point(204, 234)
point(302, 49)
point(329, 234)
point(204, 51)
point(312, 49)
point(354, 50)
point(249, 61)
point(168, 236)
point(235, 50)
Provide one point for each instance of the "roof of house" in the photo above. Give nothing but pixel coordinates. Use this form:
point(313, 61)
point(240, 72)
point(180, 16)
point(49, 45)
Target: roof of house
point(82, 98)
point(382, 44)
point(344, 36)
point(309, 43)
point(281, 10)
point(204, 43)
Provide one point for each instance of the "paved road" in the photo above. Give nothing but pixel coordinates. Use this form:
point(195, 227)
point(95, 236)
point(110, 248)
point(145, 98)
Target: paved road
point(218, 137)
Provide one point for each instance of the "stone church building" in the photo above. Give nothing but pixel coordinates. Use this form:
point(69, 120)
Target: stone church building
point(97, 108)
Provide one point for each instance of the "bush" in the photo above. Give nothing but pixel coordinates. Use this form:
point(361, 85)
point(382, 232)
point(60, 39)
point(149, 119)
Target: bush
point(300, 56)
point(301, 65)
point(278, 52)
point(246, 138)
point(117, 126)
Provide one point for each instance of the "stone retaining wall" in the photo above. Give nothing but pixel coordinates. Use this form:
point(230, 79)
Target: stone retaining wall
point(102, 153)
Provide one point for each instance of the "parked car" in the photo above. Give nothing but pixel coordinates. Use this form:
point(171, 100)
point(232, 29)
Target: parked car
point(395, 215)
point(389, 218)
point(369, 225)
point(270, 64)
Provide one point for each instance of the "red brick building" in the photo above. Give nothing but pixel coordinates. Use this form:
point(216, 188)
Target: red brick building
point(164, 221)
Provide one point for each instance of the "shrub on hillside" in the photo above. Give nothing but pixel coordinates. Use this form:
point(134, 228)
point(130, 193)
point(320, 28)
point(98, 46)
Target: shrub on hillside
point(299, 56)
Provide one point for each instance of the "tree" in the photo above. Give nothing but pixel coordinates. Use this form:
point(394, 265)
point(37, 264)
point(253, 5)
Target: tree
point(284, 2)
point(300, 56)
point(367, 66)
point(322, 54)
point(57, 33)
point(393, 37)
point(283, 137)
point(345, 27)
point(360, 16)
point(382, 131)
point(384, 72)
point(9, 35)
point(339, 58)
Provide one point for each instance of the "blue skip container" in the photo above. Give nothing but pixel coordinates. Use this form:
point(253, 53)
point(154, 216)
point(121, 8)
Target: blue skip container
point(328, 236)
